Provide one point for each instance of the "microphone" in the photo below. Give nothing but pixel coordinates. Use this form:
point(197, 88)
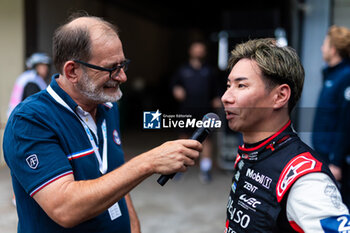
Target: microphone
point(200, 134)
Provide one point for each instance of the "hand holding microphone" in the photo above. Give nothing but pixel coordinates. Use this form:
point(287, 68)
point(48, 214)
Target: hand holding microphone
point(200, 135)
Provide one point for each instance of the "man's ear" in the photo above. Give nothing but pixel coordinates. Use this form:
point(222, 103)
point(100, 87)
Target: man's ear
point(71, 71)
point(281, 96)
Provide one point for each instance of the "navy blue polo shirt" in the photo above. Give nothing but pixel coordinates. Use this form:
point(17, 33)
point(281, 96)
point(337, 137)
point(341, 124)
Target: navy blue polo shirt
point(44, 141)
point(331, 123)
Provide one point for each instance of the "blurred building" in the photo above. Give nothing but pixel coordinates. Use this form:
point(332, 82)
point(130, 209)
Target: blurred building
point(155, 36)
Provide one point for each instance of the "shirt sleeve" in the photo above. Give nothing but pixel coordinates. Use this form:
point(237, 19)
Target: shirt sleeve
point(313, 201)
point(33, 153)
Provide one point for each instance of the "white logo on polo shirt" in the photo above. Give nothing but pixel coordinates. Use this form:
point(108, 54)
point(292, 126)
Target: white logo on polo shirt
point(347, 94)
point(116, 137)
point(32, 161)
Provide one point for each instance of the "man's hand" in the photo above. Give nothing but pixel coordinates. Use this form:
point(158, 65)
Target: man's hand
point(173, 156)
point(179, 93)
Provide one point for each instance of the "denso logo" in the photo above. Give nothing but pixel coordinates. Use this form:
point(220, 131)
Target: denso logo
point(237, 216)
point(249, 201)
point(260, 178)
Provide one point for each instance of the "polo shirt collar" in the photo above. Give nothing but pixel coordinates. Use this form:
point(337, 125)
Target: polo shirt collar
point(69, 101)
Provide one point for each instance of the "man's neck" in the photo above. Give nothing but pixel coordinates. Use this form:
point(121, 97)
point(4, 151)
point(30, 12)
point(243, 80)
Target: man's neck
point(196, 63)
point(334, 61)
point(269, 128)
point(85, 104)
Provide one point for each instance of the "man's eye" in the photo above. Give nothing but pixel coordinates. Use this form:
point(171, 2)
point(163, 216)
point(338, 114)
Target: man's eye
point(113, 67)
point(241, 85)
point(228, 86)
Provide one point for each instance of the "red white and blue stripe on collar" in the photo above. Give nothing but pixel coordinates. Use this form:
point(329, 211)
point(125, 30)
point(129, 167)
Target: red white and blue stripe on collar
point(108, 105)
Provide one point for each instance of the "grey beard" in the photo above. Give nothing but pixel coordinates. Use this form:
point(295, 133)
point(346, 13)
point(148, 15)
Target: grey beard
point(88, 89)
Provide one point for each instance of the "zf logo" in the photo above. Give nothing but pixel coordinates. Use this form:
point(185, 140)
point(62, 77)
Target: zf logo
point(151, 120)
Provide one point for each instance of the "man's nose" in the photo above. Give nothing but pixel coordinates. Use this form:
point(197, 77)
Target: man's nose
point(227, 97)
point(120, 77)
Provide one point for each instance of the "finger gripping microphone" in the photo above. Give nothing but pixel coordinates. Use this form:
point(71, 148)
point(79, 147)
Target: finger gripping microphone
point(200, 134)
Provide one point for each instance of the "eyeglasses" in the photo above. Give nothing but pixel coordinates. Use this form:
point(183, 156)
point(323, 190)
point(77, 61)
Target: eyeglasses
point(112, 71)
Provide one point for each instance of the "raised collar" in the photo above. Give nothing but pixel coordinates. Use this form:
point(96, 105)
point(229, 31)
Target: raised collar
point(268, 145)
point(344, 63)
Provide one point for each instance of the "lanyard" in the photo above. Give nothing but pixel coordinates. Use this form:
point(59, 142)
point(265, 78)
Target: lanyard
point(103, 166)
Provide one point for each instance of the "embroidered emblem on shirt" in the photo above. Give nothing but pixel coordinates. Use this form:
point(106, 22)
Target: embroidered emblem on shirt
point(331, 191)
point(32, 161)
point(240, 165)
point(237, 175)
point(233, 187)
point(116, 137)
point(328, 83)
point(347, 94)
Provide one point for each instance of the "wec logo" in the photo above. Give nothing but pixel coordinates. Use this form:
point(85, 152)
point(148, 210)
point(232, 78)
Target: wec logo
point(251, 201)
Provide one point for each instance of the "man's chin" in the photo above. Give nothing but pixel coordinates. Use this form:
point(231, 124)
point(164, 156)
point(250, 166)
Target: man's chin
point(234, 126)
point(111, 95)
point(104, 96)
point(114, 96)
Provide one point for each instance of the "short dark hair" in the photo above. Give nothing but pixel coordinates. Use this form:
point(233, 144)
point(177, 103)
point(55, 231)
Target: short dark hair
point(279, 65)
point(71, 43)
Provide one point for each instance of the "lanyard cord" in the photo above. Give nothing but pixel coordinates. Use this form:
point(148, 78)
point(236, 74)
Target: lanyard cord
point(103, 166)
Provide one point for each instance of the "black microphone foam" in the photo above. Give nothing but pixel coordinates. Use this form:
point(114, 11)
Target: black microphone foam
point(200, 134)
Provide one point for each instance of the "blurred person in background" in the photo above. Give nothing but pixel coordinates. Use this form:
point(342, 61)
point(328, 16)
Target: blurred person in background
point(63, 145)
point(32, 80)
point(331, 124)
point(194, 87)
point(279, 183)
